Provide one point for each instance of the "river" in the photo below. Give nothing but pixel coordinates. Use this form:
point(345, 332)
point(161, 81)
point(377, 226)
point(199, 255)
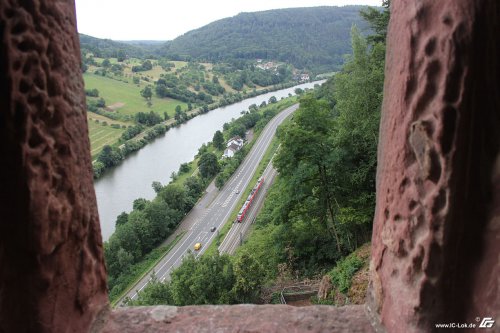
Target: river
point(119, 187)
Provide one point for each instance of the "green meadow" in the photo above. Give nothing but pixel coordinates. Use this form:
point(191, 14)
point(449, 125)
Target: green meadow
point(125, 97)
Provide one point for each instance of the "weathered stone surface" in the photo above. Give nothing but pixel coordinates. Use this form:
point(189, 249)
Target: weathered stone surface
point(52, 274)
point(236, 318)
point(436, 234)
point(436, 243)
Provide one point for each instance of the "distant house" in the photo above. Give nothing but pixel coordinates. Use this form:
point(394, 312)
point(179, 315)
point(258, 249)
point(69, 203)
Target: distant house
point(304, 77)
point(236, 140)
point(233, 145)
point(231, 150)
point(267, 66)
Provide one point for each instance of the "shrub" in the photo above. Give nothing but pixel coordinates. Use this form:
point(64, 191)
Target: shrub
point(342, 274)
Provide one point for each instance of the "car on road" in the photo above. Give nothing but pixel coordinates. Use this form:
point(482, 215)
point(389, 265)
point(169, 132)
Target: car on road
point(237, 191)
point(197, 246)
point(213, 229)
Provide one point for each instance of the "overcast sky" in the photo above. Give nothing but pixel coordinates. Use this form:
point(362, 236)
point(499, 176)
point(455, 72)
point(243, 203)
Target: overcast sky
point(165, 20)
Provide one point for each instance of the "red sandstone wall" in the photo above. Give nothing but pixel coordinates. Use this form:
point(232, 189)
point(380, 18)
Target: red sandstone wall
point(436, 234)
point(436, 231)
point(52, 274)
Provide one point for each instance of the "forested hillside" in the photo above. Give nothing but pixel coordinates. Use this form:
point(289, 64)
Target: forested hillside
point(316, 38)
point(107, 48)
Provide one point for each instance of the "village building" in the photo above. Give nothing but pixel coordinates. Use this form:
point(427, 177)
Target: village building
point(233, 145)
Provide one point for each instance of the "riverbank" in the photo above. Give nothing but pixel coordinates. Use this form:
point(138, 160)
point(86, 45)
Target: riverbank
point(113, 156)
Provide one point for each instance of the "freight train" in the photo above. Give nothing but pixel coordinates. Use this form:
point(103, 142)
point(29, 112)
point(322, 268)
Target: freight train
point(248, 202)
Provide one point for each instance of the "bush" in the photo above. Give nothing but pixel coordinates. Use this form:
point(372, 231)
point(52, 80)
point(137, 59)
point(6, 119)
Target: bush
point(92, 92)
point(184, 168)
point(342, 274)
point(98, 168)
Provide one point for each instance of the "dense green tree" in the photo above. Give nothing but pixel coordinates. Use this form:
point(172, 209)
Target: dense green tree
point(156, 293)
point(205, 281)
point(92, 92)
point(149, 119)
point(218, 140)
point(161, 219)
point(179, 114)
point(109, 156)
point(124, 259)
point(194, 186)
point(299, 91)
point(147, 93)
point(141, 225)
point(147, 65)
point(176, 196)
point(121, 56)
point(220, 180)
point(128, 240)
point(100, 103)
point(184, 168)
point(303, 160)
point(238, 130)
point(209, 165)
point(249, 276)
point(203, 149)
point(121, 219)
point(157, 186)
point(139, 204)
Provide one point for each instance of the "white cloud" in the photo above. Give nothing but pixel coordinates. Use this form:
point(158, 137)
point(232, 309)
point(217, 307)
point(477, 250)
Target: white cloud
point(165, 20)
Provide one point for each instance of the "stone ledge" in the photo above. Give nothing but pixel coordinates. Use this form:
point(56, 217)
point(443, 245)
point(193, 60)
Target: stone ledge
point(236, 318)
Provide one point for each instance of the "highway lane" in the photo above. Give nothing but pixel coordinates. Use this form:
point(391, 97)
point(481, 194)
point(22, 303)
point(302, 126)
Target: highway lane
point(238, 231)
point(202, 218)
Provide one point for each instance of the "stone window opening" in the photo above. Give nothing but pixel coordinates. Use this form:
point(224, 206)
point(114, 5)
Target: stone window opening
point(435, 246)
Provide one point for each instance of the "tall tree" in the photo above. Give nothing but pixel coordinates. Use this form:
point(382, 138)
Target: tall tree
point(249, 276)
point(147, 93)
point(208, 164)
point(218, 140)
point(378, 20)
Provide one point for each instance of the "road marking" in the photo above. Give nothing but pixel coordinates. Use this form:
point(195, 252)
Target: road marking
point(244, 175)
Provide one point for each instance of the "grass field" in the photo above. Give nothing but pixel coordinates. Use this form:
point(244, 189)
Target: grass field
point(129, 94)
point(102, 135)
